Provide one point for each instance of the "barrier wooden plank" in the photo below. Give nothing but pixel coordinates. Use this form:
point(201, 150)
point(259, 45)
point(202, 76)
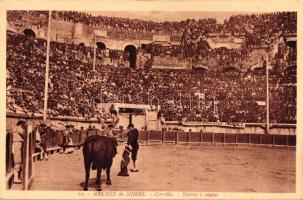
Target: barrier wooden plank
point(218, 138)
point(267, 139)
point(194, 137)
point(9, 159)
point(291, 140)
point(182, 138)
point(169, 137)
point(207, 137)
point(58, 137)
point(254, 139)
point(154, 137)
point(280, 140)
point(142, 136)
point(230, 138)
point(242, 138)
point(28, 170)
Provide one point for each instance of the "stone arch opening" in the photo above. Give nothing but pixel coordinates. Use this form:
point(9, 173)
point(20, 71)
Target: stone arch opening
point(132, 55)
point(29, 33)
point(81, 44)
point(100, 45)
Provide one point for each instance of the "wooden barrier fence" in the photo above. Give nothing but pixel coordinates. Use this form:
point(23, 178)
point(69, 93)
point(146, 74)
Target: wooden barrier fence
point(55, 138)
point(164, 137)
point(224, 139)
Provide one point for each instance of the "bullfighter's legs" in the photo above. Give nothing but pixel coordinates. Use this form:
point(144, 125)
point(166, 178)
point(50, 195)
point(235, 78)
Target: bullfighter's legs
point(98, 181)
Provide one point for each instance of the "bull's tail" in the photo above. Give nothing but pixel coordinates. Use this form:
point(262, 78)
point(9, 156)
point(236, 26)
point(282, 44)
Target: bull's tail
point(68, 145)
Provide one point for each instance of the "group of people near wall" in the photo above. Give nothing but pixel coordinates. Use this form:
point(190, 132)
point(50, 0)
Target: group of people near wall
point(42, 132)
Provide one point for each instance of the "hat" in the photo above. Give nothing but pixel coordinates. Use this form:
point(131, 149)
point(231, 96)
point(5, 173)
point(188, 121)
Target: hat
point(130, 126)
point(20, 122)
point(42, 125)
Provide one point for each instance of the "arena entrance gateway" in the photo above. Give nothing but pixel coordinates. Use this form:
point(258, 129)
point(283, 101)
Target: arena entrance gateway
point(139, 114)
point(101, 45)
point(132, 51)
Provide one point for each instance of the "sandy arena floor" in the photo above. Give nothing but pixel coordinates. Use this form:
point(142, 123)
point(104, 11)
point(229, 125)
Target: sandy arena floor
point(179, 168)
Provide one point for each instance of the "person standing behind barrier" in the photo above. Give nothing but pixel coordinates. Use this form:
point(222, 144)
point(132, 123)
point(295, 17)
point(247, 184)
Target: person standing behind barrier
point(110, 133)
point(132, 140)
point(68, 139)
point(18, 141)
point(82, 132)
point(41, 139)
point(89, 131)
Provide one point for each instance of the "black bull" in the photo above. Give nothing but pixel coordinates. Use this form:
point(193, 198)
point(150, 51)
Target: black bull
point(98, 153)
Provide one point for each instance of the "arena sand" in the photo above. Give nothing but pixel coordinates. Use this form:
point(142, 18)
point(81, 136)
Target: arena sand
point(179, 168)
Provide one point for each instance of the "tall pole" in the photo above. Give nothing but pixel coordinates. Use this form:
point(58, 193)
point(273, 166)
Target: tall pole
point(94, 62)
point(267, 96)
point(47, 68)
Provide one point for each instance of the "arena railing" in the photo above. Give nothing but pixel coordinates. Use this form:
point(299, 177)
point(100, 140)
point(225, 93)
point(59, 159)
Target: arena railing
point(180, 138)
point(55, 139)
point(217, 139)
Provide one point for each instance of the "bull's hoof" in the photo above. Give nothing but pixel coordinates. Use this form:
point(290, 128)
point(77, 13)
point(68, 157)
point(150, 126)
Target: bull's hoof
point(85, 189)
point(109, 182)
point(123, 174)
point(98, 188)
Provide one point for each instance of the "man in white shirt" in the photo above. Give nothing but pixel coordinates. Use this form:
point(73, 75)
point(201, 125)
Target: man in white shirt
point(18, 141)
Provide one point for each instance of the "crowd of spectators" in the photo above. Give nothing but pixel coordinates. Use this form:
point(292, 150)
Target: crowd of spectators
point(286, 53)
point(188, 95)
point(260, 26)
point(257, 28)
point(36, 18)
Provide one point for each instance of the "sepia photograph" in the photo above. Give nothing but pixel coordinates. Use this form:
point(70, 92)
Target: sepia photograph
point(151, 103)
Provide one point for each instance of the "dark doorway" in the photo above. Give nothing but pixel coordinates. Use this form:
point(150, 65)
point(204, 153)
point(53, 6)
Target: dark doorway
point(144, 46)
point(292, 44)
point(29, 33)
point(132, 55)
point(81, 44)
point(101, 45)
